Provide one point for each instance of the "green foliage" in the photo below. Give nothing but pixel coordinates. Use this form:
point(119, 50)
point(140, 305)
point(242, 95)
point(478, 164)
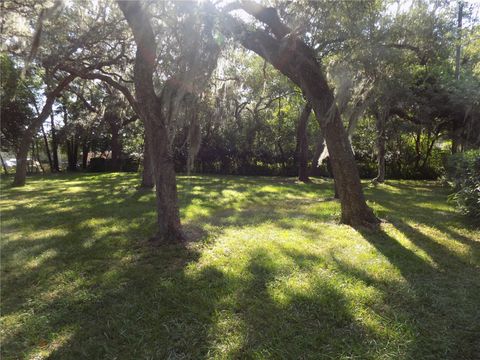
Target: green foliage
point(463, 169)
point(15, 104)
point(403, 159)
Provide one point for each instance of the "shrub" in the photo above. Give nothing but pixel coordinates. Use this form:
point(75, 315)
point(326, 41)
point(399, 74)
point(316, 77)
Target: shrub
point(130, 165)
point(463, 170)
point(97, 164)
point(102, 165)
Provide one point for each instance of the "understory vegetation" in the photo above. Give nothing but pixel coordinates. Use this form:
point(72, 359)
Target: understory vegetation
point(463, 170)
point(269, 273)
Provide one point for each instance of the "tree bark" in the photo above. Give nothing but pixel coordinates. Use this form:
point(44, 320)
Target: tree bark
point(168, 216)
point(302, 144)
point(21, 162)
point(47, 149)
point(148, 181)
point(293, 58)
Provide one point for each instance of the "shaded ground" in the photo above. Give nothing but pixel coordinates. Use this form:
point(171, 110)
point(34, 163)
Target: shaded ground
point(271, 274)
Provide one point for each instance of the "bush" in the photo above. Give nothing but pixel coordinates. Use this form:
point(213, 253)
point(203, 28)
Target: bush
point(97, 164)
point(463, 169)
point(130, 165)
point(102, 165)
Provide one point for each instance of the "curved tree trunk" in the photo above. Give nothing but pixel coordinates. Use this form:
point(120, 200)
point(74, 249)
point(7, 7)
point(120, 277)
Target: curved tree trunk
point(293, 58)
point(302, 144)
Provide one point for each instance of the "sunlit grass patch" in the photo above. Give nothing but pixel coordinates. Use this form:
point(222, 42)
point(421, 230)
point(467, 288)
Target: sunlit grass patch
point(271, 273)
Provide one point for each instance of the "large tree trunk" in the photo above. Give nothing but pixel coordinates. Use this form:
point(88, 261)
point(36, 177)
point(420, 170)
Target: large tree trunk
point(302, 144)
point(148, 181)
point(21, 161)
point(56, 166)
point(298, 62)
point(47, 149)
point(168, 216)
point(380, 125)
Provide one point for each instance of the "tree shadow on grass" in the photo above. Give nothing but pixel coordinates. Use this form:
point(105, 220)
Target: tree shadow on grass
point(112, 299)
point(444, 307)
point(94, 293)
point(309, 324)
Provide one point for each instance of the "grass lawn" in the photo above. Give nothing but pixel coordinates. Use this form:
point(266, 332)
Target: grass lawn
point(271, 274)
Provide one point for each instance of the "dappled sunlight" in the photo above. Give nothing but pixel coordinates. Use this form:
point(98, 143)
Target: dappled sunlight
point(38, 260)
point(270, 272)
point(46, 348)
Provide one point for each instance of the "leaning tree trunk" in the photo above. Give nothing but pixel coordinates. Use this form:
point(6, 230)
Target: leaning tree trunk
point(380, 125)
point(292, 57)
point(168, 216)
point(302, 144)
point(148, 181)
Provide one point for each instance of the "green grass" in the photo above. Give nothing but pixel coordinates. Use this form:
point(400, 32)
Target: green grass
point(271, 274)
